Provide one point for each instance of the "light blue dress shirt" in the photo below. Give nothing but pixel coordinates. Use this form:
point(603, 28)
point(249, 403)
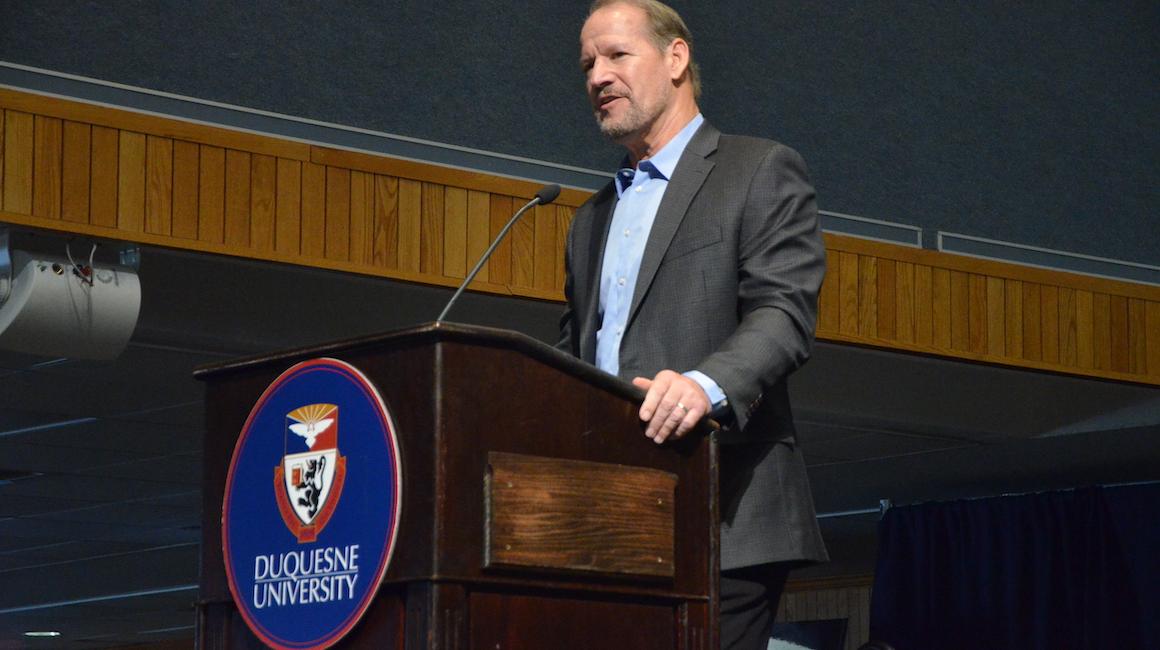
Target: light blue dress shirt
point(639, 193)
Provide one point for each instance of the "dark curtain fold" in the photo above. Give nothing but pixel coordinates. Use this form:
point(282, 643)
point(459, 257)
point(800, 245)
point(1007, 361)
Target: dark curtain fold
point(1030, 572)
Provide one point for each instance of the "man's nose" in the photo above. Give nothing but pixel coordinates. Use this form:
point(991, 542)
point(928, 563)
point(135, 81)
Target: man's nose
point(598, 75)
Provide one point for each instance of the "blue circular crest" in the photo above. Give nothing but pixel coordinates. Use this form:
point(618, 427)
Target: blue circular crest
point(312, 504)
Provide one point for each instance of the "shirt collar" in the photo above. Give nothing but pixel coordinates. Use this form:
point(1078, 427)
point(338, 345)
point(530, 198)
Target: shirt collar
point(664, 162)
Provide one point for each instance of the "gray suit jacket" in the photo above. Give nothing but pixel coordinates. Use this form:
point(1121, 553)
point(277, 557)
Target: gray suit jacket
point(728, 285)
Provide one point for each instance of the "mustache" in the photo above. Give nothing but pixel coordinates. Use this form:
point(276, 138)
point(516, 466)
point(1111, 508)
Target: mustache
point(603, 94)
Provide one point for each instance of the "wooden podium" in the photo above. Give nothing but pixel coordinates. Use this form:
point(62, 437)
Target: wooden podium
point(535, 513)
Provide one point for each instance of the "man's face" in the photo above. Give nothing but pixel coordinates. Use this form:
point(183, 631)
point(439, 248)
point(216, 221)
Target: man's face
point(628, 79)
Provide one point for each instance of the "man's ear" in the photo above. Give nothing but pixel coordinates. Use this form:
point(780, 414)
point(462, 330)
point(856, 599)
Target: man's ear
point(678, 56)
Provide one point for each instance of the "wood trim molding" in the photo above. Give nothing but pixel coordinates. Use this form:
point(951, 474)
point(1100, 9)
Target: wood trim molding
point(104, 172)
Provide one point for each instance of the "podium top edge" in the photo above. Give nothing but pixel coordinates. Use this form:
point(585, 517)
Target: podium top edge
point(429, 333)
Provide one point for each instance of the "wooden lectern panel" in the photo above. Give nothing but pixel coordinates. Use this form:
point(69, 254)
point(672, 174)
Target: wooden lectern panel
point(529, 622)
point(577, 515)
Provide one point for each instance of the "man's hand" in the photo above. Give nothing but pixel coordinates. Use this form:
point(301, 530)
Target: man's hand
point(673, 405)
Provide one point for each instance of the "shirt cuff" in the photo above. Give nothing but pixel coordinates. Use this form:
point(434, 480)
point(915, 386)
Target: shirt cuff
point(716, 395)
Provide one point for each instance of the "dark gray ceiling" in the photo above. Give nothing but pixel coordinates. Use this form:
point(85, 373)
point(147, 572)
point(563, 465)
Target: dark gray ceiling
point(100, 461)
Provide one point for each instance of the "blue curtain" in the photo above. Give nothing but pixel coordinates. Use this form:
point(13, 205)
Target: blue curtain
point(1031, 572)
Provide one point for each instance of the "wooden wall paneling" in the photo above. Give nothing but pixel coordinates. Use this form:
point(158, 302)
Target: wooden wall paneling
point(455, 262)
point(1137, 337)
point(410, 224)
point(1032, 326)
point(76, 171)
point(811, 602)
point(478, 229)
point(440, 175)
point(1049, 322)
point(186, 172)
point(1118, 325)
point(131, 182)
point(868, 296)
point(386, 222)
point(499, 267)
point(995, 268)
point(1068, 353)
point(211, 200)
point(18, 146)
point(822, 602)
point(977, 313)
point(158, 185)
point(523, 237)
point(237, 209)
point(46, 167)
point(960, 318)
point(923, 305)
point(263, 188)
point(850, 601)
point(106, 152)
point(362, 201)
point(853, 619)
point(564, 216)
point(544, 248)
point(887, 299)
point(313, 217)
point(789, 607)
point(1084, 338)
point(1101, 331)
point(940, 280)
point(996, 316)
point(119, 119)
point(288, 207)
point(431, 229)
point(101, 169)
point(848, 288)
point(830, 297)
point(1152, 336)
point(337, 214)
point(864, 596)
point(2, 129)
point(1013, 318)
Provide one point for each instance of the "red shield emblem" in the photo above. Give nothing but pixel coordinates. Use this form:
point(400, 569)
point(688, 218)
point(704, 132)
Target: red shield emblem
point(308, 483)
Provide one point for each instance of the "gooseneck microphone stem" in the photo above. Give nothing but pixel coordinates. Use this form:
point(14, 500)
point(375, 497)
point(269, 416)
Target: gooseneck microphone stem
point(544, 196)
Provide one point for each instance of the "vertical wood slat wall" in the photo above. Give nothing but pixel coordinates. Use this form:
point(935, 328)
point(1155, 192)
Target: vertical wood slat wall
point(925, 301)
point(847, 598)
point(111, 173)
point(103, 172)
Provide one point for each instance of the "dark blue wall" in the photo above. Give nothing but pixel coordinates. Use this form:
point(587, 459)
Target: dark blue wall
point(1037, 123)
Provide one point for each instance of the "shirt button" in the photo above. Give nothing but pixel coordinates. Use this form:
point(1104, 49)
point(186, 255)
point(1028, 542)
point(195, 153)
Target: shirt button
point(621, 282)
point(639, 188)
point(627, 232)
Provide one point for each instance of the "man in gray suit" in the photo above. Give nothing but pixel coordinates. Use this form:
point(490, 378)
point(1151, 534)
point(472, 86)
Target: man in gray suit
point(695, 274)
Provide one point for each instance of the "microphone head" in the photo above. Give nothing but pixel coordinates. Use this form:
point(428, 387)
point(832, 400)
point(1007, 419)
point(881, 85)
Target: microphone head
point(548, 193)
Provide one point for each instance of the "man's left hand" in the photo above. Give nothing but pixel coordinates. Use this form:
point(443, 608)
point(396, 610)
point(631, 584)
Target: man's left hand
point(672, 406)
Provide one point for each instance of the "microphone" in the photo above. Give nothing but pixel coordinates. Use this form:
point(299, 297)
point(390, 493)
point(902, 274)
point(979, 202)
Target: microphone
point(544, 196)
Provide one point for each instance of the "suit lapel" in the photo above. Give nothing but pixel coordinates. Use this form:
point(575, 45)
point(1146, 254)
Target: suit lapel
point(602, 210)
point(688, 177)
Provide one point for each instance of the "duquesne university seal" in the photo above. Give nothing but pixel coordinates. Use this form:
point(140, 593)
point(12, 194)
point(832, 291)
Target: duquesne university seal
point(312, 472)
point(312, 505)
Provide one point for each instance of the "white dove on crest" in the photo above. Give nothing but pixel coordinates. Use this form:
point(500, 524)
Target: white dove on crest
point(311, 430)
